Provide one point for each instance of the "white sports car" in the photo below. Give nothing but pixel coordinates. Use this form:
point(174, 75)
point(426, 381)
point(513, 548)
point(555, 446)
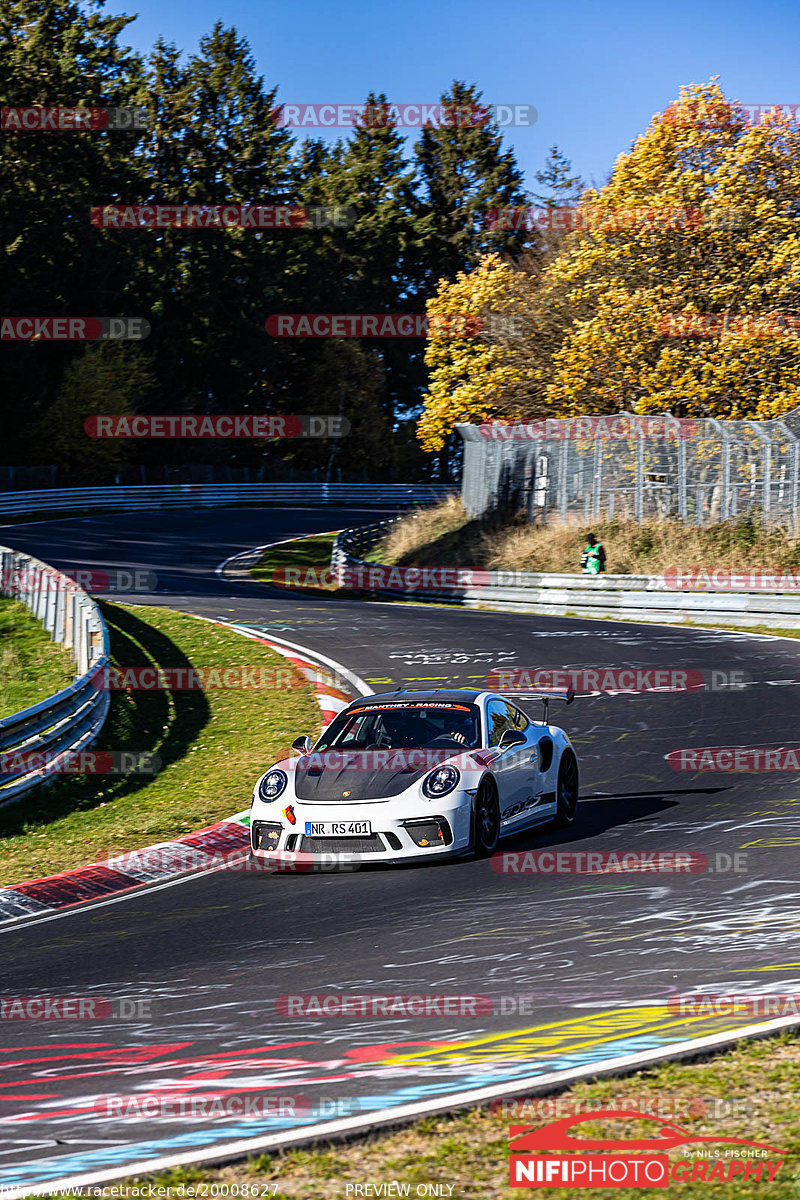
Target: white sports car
point(409, 775)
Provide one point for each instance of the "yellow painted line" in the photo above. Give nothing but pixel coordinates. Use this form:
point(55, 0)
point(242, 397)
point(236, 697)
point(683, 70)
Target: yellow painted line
point(775, 842)
point(539, 1038)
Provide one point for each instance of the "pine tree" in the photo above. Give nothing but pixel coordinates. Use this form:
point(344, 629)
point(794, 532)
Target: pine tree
point(381, 252)
point(560, 189)
point(54, 262)
point(216, 142)
point(464, 173)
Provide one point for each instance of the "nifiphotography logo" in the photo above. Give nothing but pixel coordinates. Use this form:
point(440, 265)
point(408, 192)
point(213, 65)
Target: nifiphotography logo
point(608, 1162)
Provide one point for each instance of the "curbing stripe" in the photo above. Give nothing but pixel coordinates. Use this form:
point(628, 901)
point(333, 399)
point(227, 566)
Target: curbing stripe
point(350, 1127)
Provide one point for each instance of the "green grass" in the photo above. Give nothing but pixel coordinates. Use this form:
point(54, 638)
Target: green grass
point(310, 555)
point(212, 744)
point(32, 666)
point(469, 1150)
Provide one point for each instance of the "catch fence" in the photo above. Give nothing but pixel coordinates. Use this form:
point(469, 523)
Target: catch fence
point(635, 468)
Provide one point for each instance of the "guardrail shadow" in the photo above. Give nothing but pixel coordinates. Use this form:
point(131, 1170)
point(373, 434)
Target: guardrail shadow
point(164, 723)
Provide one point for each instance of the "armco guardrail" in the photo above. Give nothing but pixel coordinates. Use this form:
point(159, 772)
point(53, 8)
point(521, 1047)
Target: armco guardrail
point(183, 495)
point(633, 597)
point(33, 742)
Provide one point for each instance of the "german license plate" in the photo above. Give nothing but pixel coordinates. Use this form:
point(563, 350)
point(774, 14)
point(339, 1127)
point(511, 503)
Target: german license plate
point(337, 828)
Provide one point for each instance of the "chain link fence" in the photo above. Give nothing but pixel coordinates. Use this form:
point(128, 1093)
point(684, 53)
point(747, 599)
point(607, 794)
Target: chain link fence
point(635, 468)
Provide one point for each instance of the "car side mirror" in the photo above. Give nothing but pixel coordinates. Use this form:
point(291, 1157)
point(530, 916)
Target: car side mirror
point(302, 744)
point(511, 737)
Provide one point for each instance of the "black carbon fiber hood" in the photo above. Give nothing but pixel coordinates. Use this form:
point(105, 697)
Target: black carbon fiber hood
point(331, 781)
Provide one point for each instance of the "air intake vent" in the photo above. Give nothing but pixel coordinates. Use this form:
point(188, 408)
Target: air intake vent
point(265, 835)
point(343, 845)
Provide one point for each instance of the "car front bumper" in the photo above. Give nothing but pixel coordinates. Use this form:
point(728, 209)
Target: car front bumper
point(399, 832)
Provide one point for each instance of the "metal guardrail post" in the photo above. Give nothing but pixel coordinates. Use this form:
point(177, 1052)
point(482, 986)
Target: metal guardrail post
point(683, 507)
point(639, 481)
point(562, 480)
point(598, 477)
point(725, 507)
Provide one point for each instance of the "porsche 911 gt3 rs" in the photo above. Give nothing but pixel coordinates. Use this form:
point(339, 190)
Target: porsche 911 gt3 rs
point(408, 775)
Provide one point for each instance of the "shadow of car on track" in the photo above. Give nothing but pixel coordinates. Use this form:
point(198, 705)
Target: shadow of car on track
point(591, 822)
point(598, 813)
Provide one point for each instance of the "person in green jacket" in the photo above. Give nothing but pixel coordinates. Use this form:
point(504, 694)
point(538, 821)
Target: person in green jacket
point(593, 559)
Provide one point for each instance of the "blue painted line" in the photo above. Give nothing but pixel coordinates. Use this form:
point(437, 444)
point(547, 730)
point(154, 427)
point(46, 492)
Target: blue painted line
point(96, 1159)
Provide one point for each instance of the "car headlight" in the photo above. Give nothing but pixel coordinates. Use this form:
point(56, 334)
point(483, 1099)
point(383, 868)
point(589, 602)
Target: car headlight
point(440, 782)
point(272, 785)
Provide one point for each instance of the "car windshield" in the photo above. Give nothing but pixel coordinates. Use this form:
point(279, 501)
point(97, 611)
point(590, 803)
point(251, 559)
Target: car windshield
point(404, 726)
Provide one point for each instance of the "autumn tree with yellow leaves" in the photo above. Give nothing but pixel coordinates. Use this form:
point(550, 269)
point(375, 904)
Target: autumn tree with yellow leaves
point(701, 217)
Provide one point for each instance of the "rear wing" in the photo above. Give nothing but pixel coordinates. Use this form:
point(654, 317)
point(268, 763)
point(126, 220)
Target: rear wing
point(565, 695)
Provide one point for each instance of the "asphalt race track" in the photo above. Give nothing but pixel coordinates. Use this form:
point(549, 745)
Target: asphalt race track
point(580, 967)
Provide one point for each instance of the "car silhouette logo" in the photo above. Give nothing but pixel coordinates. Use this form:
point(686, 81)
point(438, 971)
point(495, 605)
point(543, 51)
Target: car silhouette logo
point(556, 1136)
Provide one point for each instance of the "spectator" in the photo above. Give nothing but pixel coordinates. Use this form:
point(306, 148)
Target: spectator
point(593, 559)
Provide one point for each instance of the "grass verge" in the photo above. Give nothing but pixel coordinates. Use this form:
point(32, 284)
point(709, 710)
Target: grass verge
point(212, 745)
point(304, 564)
point(749, 1092)
point(32, 667)
point(445, 536)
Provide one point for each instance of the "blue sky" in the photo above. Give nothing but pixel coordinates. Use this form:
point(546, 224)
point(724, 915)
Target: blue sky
point(594, 71)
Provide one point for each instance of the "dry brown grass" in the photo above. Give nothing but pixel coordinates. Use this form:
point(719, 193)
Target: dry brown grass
point(445, 536)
